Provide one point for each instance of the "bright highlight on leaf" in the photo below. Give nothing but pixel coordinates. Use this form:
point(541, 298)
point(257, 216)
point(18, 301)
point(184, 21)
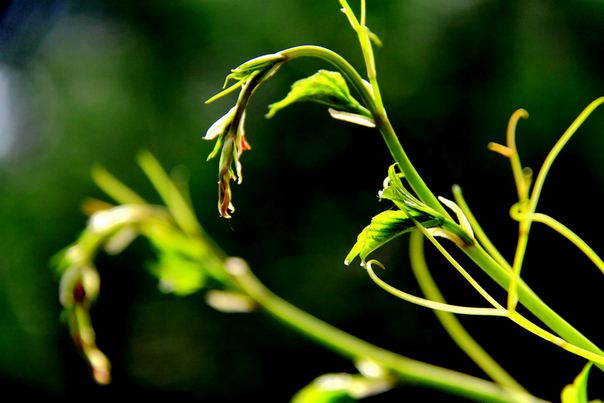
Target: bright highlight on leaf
point(352, 118)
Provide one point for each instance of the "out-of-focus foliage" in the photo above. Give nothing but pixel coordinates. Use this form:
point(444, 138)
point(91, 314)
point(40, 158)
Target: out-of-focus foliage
point(104, 79)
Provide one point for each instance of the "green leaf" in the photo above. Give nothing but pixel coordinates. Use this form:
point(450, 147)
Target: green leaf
point(395, 191)
point(392, 223)
point(178, 268)
point(576, 392)
point(386, 226)
point(325, 87)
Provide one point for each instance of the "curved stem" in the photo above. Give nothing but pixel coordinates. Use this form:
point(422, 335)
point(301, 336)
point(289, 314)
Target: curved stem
point(525, 224)
point(571, 236)
point(478, 231)
point(379, 115)
point(531, 301)
point(449, 321)
point(409, 371)
point(435, 305)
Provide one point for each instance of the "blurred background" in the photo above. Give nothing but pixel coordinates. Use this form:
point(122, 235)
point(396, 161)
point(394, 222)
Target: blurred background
point(93, 82)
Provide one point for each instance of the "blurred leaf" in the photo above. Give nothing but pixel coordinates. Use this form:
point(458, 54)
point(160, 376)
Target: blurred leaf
point(168, 191)
point(576, 392)
point(177, 274)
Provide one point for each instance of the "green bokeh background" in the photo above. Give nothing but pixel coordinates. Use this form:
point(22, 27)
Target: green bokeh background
point(109, 78)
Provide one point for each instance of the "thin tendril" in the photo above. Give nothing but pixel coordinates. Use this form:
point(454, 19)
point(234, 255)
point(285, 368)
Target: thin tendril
point(429, 303)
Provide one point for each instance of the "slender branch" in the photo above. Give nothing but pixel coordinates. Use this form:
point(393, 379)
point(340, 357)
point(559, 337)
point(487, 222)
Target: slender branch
point(409, 371)
point(531, 301)
point(478, 231)
point(449, 321)
point(381, 120)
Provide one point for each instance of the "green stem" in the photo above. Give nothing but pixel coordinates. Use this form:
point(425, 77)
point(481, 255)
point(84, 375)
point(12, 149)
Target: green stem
point(525, 225)
point(531, 301)
point(527, 297)
point(478, 231)
point(449, 321)
point(379, 115)
point(409, 371)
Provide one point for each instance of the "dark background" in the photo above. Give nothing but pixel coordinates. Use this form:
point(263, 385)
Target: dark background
point(93, 82)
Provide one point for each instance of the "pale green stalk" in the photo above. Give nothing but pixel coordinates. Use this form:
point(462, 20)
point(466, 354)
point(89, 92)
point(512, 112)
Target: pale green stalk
point(525, 224)
point(531, 301)
point(449, 321)
point(479, 233)
point(527, 296)
point(476, 253)
point(595, 356)
point(409, 371)
point(379, 115)
point(428, 303)
point(571, 236)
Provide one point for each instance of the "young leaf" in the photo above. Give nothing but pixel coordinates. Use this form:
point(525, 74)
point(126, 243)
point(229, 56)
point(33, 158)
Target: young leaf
point(386, 226)
point(325, 87)
point(395, 191)
point(576, 392)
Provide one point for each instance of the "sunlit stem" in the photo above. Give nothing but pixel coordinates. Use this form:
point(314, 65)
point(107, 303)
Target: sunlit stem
point(564, 231)
point(449, 321)
point(381, 120)
point(531, 327)
point(362, 13)
point(439, 306)
point(453, 262)
point(525, 225)
point(478, 231)
point(413, 372)
point(597, 357)
point(549, 160)
point(521, 185)
point(523, 190)
point(531, 301)
point(366, 47)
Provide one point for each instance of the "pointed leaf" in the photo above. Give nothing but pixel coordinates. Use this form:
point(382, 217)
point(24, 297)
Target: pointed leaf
point(325, 87)
point(386, 226)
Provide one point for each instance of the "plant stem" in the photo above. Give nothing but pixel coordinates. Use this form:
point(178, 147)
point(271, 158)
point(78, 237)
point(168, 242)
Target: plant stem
point(531, 301)
point(379, 115)
point(409, 371)
point(449, 321)
point(527, 297)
